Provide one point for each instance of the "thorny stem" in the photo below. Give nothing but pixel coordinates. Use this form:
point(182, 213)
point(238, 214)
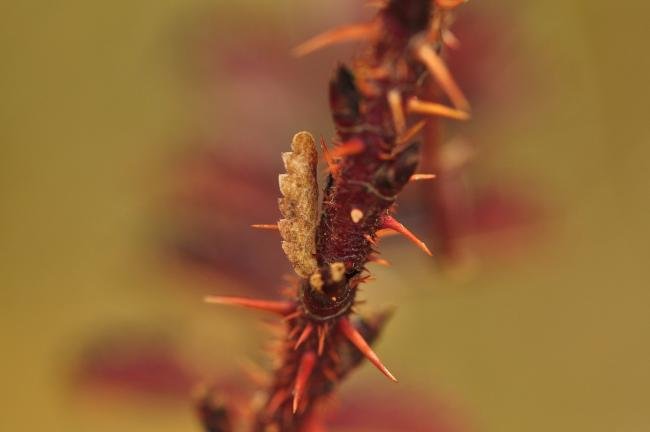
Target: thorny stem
point(376, 117)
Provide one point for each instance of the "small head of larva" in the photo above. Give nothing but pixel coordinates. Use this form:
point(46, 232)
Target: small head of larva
point(299, 204)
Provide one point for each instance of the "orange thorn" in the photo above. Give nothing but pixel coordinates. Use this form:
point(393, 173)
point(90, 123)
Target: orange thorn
point(370, 240)
point(330, 374)
point(439, 70)
point(410, 133)
point(305, 368)
point(334, 356)
point(351, 147)
point(304, 335)
point(385, 232)
point(450, 39)
point(291, 316)
point(395, 103)
point(293, 333)
point(391, 223)
point(417, 106)
point(279, 307)
point(379, 261)
point(357, 340)
point(322, 332)
point(449, 4)
point(418, 177)
point(332, 167)
point(346, 33)
point(275, 401)
point(265, 226)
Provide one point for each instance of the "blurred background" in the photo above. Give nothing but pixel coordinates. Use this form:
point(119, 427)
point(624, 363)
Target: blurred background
point(140, 139)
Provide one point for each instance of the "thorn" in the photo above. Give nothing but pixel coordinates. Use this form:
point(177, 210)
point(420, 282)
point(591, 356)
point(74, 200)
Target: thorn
point(330, 374)
point(418, 177)
point(450, 39)
point(347, 33)
point(395, 103)
point(332, 167)
point(266, 226)
point(391, 223)
point(322, 332)
point(439, 70)
point(275, 401)
point(279, 307)
point(291, 316)
point(357, 340)
point(380, 261)
point(370, 240)
point(305, 368)
point(417, 106)
point(449, 4)
point(304, 335)
point(385, 232)
point(293, 333)
point(410, 133)
point(334, 356)
point(350, 147)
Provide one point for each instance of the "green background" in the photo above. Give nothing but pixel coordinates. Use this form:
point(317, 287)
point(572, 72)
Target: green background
point(94, 108)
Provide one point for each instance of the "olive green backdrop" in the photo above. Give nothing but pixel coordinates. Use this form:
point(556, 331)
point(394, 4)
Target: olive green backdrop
point(95, 106)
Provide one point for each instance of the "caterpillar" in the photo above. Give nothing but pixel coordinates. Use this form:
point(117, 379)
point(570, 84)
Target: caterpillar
point(299, 204)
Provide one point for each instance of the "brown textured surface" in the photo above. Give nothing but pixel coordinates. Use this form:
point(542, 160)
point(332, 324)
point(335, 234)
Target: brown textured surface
point(299, 204)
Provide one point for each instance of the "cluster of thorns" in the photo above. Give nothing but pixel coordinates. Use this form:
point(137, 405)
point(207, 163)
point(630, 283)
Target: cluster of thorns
point(373, 104)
